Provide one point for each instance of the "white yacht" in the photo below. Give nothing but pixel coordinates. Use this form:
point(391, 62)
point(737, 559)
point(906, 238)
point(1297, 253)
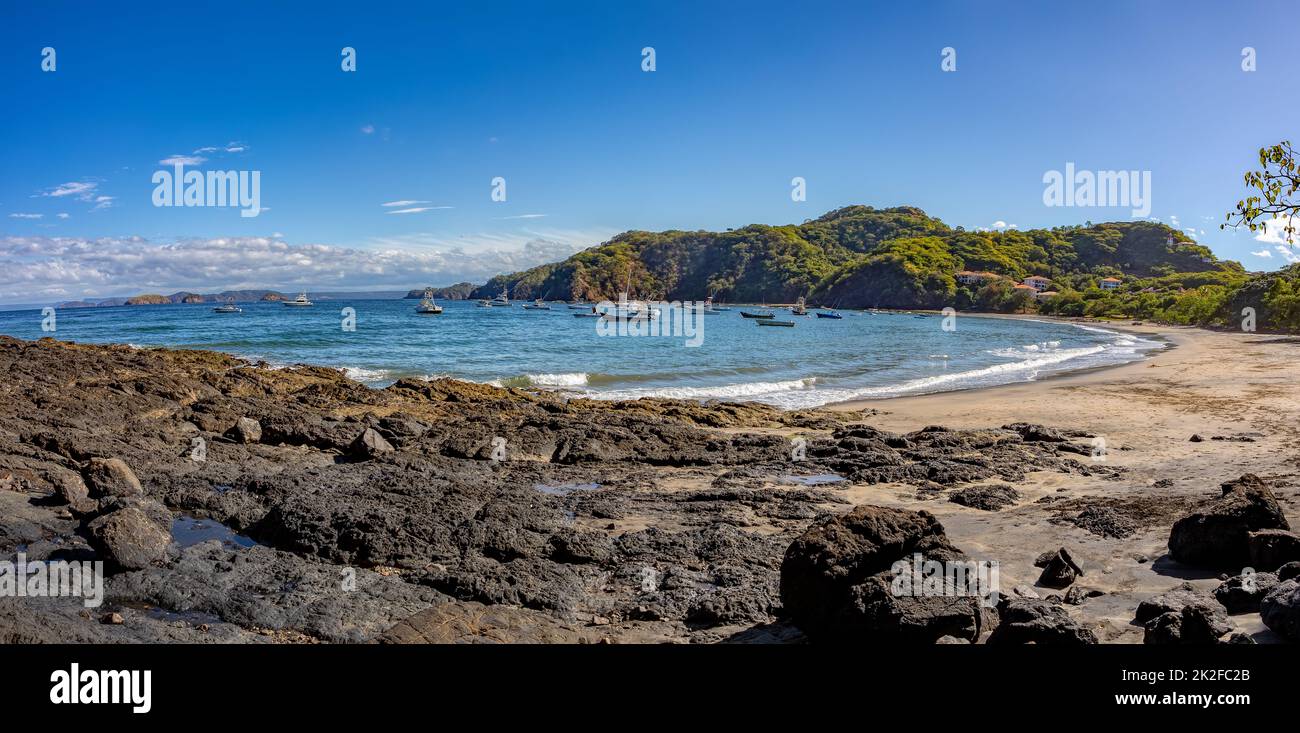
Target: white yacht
point(502, 300)
point(427, 306)
point(300, 301)
point(537, 305)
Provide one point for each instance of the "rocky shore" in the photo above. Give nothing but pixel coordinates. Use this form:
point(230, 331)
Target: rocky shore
point(235, 502)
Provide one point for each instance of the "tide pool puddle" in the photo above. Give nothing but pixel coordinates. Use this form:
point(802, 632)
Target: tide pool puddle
point(565, 489)
point(188, 531)
point(814, 480)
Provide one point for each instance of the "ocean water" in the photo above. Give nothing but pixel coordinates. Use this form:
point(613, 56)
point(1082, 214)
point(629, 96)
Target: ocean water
point(863, 356)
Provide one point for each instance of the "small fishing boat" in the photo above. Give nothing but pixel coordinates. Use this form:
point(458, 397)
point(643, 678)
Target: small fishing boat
point(229, 307)
point(592, 314)
point(579, 305)
point(799, 309)
point(760, 314)
point(300, 301)
point(830, 314)
point(485, 304)
point(537, 305)
point(427, 306)
point(502, 300)
point(788, 324)
point(709, 307)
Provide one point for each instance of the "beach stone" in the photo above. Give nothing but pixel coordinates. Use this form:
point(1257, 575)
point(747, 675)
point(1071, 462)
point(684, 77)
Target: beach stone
point(1076, 595)
point(951, 640)
point(369, 445)
point(1242, 593)
point(837, 580)
point(1182, 615)
point(1038, 621)
point(110, 477)
point(1273, 548)
point(1059, 569)
point(245, 430)
point(990, 498)
point(1289, 571)
point(128, 539)
point(70, 487)
point(1217, 533)
point(1280, 609)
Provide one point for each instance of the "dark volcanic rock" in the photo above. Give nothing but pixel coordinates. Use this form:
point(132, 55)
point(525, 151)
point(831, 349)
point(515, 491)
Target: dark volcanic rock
point(1037, 621)
point(1289, 571)
point(1183, 615)
point(110, 477)
point(245, 430)
point(990, 498)
point(1105, 521)
point(1280, 609)
point(1059, 569)
point(128, 539)
point(1217, 534)
point(837, 580)
point(1242, 593)
point(369, 444)
point(1272, 548)
point(70, 487)
point(1076, 595)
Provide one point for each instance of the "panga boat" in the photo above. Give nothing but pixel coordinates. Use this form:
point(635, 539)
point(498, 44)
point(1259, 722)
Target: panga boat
point(788, 324)
point(485, 304)
point(831, 314)
point(300, 301)
point(760, 314)
point(579, 305)
point(227, 308)
point(537, 305)
point(709, 307)
point(592, 314)
point(427, 306)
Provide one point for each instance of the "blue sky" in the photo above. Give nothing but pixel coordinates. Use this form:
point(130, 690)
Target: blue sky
point(552, 97)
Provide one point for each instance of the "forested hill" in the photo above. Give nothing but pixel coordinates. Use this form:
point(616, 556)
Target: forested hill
point(857, 256)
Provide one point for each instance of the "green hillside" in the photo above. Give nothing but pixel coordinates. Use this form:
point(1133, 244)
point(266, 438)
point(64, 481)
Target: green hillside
point(859, 256)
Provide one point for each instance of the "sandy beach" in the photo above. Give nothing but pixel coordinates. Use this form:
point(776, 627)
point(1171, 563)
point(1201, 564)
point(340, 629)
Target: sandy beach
point(1213, 384)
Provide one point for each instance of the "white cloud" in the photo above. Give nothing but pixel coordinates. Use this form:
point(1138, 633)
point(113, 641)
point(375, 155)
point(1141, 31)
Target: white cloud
point(231, 147)
point(1263, 253)
point(1274, 231)
point(999, 224)
point(525, 216)
point(26, 216)
point(404, 202)
point(190, 160)
point(367, 129)
point(1287, 254)
point(104, 202)
point(63, 216)
point(61, 268)
point(84, 190)
point(416, 209)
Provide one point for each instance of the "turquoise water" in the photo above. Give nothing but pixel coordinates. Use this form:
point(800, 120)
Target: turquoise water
point(863, 356)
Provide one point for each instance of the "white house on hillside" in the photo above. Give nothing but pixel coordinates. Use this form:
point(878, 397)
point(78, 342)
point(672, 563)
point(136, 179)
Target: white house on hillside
point(1037, 282)
point(1109, 283)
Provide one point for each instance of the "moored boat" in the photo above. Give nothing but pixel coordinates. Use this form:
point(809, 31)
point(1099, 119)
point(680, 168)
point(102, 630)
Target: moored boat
point(300, 301)
point(427, 306)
